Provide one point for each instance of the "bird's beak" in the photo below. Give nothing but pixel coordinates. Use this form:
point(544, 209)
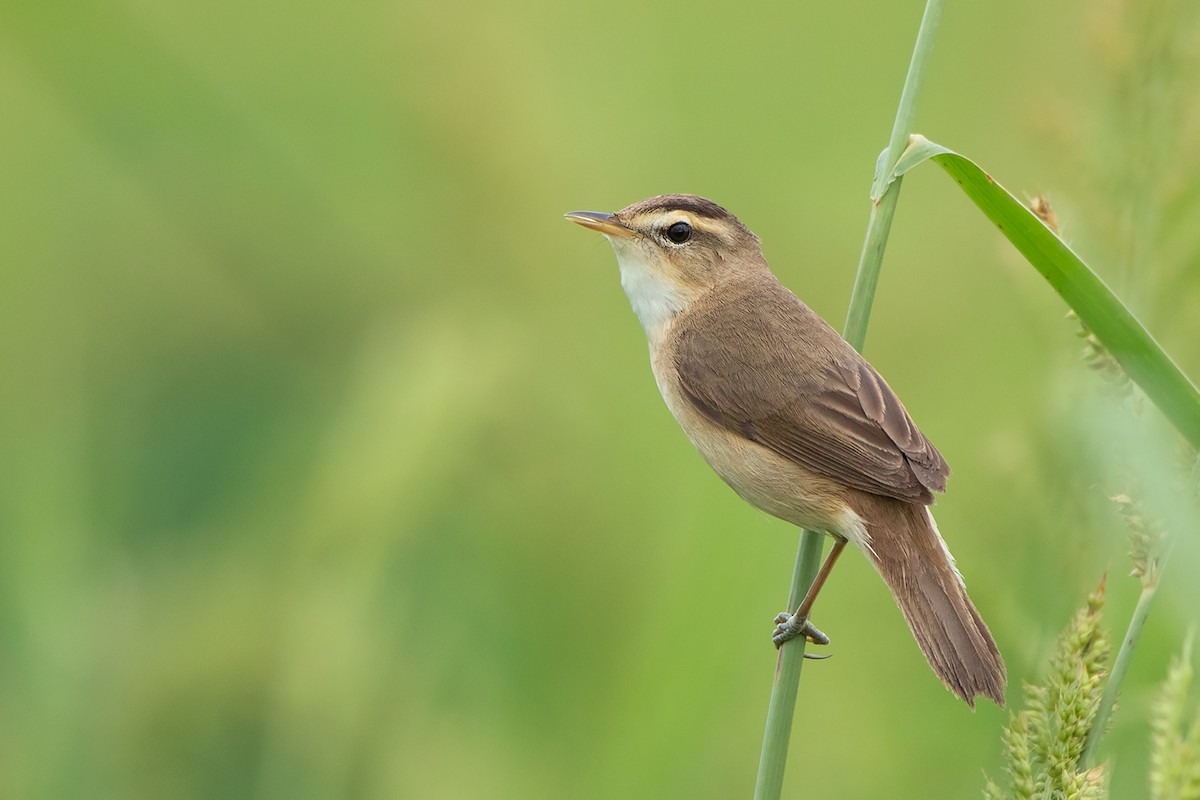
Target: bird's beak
point(599, 221)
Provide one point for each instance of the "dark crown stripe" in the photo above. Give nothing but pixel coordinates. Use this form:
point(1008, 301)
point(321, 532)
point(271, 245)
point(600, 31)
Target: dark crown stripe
point(685, 202)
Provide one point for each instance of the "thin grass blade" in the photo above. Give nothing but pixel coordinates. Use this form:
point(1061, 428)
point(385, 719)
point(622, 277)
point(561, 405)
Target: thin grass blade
point(1146, 363)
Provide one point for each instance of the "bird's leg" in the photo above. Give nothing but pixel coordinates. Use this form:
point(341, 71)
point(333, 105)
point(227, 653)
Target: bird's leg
point(789, 626)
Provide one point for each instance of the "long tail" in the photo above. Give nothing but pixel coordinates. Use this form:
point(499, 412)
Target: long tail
point(909, 553)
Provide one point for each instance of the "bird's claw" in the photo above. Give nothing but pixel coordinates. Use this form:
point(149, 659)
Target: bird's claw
point(789, 626)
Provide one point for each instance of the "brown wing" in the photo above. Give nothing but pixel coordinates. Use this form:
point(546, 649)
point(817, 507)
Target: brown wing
point(783, 378)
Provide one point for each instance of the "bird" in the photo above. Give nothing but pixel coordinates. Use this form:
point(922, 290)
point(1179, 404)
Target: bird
point(795, 420)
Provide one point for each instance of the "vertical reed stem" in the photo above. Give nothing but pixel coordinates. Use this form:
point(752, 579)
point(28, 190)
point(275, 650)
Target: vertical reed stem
point(884, 194)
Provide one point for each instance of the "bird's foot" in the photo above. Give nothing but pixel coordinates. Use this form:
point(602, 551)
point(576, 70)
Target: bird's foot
point(789, 626)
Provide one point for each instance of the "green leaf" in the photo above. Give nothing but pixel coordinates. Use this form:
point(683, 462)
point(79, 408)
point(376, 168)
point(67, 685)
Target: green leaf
point(1113, 324)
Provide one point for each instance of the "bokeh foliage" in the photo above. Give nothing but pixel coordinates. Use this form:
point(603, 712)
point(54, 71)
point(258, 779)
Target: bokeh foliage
point(332, 465)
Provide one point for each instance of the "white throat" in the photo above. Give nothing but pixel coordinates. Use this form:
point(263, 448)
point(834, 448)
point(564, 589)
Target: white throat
point(655, 300)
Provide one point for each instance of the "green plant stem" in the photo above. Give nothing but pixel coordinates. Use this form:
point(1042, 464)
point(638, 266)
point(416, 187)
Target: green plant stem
point(884, 195)
point(786, 686)
point(1125, 655)
point(1087, 759)
point(862, 296)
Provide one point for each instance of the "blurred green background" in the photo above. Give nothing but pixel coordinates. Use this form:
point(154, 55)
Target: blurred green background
point(332, 462)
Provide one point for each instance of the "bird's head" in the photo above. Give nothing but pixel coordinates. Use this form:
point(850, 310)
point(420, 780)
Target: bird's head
point(672, 248)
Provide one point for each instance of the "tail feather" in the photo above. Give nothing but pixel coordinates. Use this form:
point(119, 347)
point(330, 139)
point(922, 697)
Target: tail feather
point(909, 554)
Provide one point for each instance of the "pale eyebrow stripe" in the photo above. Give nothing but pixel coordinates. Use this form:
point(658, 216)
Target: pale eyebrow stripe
point(662, 217)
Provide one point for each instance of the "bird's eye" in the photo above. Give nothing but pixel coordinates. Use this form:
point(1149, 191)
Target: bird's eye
point(679, 233)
